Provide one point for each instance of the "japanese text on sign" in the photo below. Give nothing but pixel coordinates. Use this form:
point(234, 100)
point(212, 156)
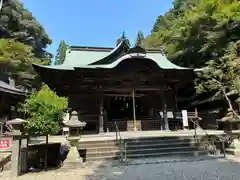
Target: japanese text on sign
point(4, 143)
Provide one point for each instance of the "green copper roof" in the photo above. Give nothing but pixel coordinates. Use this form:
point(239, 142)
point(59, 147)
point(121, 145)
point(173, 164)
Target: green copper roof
point(96, 57)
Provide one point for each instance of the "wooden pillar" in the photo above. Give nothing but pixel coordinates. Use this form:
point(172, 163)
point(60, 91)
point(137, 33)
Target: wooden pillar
point(174, 91)
point(101, 115)
point(164, 105)
point(175, 107)
point(134, 111)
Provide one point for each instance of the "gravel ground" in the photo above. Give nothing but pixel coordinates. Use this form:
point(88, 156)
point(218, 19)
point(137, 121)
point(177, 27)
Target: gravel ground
point(199, 170)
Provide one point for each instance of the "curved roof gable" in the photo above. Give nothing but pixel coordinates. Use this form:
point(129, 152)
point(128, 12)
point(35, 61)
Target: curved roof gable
point(9, 89)
point(96, 57)
point(115, 54)
point(161, 61)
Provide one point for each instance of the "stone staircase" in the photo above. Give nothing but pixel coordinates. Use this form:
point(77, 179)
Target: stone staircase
point(99, 150)
point(183, 146)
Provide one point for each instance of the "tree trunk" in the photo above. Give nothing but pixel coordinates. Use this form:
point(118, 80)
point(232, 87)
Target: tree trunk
point(229, 102)
point(46, 154)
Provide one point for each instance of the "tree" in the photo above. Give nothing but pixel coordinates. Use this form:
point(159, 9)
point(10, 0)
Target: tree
point(44, 111)
point(18, 23)
point(123, 38)
point(196, 31)
point(140, 39)
point(61, 52)
point(221, 76)
point(22, 42)
point(16, 58)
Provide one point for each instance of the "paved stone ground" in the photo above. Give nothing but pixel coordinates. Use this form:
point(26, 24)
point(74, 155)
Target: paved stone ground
point(198, 170)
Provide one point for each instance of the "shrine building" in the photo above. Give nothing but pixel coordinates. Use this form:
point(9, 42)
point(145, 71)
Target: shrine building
point(135, 87)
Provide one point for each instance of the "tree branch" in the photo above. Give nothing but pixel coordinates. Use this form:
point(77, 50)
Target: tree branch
point(228, 101)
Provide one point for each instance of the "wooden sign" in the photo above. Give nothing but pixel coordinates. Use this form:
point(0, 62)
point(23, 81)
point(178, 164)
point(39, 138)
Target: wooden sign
point(185, 118)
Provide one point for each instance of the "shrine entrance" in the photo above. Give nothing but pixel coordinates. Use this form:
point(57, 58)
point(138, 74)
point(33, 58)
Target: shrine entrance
point(121, 108)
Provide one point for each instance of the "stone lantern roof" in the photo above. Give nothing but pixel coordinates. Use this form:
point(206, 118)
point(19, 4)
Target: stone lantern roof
point(74, 121)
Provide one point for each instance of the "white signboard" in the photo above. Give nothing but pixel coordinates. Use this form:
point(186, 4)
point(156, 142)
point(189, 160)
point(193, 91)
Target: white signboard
point(185, 118)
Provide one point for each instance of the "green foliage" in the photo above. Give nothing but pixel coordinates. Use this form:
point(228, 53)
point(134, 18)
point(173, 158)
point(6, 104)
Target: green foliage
point(44, 110)
point(61, 52)
point(221, 76)
point(16, 58)
point(196, 31)
point(18, 23)
point(140, 39)
point(22, 42)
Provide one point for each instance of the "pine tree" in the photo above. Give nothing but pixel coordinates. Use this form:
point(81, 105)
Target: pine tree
point(139, 39)
point(61, 52)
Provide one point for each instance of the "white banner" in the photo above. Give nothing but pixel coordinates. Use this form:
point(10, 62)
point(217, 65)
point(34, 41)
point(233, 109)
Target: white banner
point(184, 118)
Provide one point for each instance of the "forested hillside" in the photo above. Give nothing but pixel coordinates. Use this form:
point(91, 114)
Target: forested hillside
point(196, 31)
point(22, 42)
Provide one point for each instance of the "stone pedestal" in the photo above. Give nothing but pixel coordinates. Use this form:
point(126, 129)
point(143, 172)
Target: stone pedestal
point(73, 155)
point(131, 126)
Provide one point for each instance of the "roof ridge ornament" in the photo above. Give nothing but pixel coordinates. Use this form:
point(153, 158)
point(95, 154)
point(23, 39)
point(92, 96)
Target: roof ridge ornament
point(124, 39)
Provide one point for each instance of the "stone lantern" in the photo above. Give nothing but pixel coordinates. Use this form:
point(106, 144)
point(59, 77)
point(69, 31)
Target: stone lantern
point(17, 156)
point(74, 136)
point(17, 125)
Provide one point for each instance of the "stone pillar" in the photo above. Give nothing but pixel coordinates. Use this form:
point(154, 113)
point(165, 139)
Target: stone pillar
point(24, 163)
point(164, 105)
point(15, 158)
point(101, 116)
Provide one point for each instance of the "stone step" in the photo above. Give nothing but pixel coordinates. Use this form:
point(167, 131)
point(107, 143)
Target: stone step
point(116, 157)
point(139, 147)
point(109, 148)
point(101, 154)
point(104, 143)
point(166, 154)
point(166, 140)
point(161, 150)
point(142, 141)
point(159, 145)
point(100, 149)
point(138, 152)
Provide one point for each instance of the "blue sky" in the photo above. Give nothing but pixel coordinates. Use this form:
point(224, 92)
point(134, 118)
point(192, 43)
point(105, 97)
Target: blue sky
point(95, 22)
